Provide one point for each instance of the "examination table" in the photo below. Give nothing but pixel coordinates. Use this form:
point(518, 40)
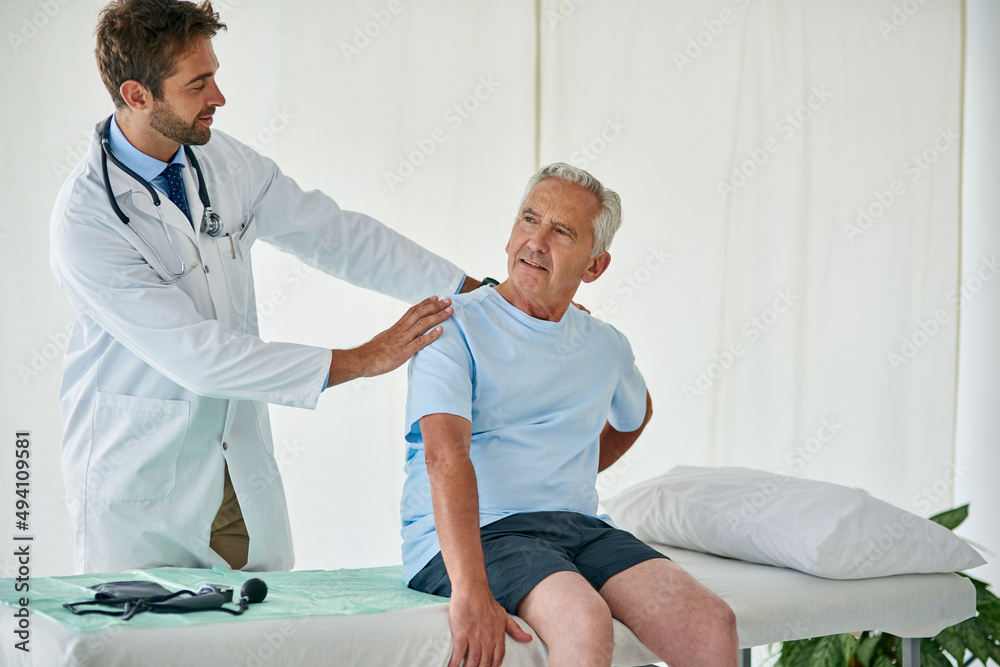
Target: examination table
point(367, 617)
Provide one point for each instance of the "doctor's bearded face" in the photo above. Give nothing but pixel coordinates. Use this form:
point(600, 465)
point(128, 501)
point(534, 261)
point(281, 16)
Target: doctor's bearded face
point(190, 95)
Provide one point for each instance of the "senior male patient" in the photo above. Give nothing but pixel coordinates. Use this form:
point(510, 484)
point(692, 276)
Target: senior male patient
point(511, 414)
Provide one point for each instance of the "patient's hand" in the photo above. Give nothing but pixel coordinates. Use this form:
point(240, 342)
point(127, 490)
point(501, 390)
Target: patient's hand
point(478, 624)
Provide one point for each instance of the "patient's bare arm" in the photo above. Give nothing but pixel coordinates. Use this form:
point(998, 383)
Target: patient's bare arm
point(477, 621)
point(614, 443)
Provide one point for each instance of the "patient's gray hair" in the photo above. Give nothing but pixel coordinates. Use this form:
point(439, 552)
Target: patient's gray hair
point(607, 222)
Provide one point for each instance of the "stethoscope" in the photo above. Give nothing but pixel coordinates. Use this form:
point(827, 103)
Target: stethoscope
point(211, 223)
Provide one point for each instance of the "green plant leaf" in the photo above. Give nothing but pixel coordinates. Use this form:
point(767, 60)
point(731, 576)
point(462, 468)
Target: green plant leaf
point(931, 655)
point(828, 651)
point(989, 618)
point(981, 644)
point(882, 661)
point(952, 519)
point(866, 649)
point(950, 640)
point(808, 655)
point(984, 596)
point(795, 652)
point(987, 607)
point(834, 650)
point(789, 650)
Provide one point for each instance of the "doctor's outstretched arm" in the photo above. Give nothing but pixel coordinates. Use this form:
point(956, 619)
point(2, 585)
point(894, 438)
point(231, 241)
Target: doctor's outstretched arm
point(392, 348)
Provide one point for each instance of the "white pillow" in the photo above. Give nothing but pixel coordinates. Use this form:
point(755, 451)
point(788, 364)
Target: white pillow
point(824, 529)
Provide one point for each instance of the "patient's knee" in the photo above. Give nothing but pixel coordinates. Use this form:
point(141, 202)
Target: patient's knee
point(720, 619)
point(589, 625)
point(595, 619)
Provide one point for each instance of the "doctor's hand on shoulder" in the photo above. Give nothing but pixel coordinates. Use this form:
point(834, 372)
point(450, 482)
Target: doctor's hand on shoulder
point(389, 350)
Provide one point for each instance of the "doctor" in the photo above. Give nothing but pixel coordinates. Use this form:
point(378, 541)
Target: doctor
point(165, 381)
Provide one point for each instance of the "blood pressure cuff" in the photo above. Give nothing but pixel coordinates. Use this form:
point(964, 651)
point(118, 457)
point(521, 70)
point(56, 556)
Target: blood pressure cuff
point(130, 596)
point(133, 597)
point(119, 592)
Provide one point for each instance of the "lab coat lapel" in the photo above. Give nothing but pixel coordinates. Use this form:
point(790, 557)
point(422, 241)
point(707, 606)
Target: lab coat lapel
point(141, 202)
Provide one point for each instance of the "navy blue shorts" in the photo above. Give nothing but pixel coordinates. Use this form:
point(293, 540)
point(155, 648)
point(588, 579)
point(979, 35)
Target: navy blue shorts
point(522, 549)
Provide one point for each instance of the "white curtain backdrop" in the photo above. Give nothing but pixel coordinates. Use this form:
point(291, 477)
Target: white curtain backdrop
point(776, 330)
point(819, 113)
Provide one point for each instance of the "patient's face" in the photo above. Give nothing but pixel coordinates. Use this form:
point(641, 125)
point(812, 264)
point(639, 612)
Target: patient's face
point(548, 253)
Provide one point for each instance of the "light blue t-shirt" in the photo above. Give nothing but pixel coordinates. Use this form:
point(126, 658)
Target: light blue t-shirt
point(537, 394)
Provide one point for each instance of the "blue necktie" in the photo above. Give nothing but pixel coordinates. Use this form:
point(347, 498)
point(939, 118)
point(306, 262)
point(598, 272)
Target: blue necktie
point(175, 187)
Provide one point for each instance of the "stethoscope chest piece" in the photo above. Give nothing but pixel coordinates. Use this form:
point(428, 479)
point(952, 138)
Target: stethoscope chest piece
point(211, 223)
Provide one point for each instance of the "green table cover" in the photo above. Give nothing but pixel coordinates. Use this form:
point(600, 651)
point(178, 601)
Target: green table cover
point(289, 594)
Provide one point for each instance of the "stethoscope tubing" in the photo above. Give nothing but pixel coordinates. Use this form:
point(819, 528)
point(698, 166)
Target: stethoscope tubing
point(210, 222)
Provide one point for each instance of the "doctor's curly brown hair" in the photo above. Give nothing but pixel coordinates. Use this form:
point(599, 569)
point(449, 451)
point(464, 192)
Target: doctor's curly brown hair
point(141, 40)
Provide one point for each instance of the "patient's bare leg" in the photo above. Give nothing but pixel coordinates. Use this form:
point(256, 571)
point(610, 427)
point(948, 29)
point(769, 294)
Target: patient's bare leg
point(677, 618)
point(572, 619)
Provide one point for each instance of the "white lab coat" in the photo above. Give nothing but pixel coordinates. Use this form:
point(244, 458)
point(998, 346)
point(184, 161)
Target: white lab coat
point(165, 384)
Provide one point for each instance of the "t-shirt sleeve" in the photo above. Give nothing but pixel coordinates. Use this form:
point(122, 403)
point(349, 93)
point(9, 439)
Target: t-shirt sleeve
point(628, 404)
point(440, 379)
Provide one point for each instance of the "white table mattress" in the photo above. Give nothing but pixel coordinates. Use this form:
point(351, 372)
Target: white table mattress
point(771, 605)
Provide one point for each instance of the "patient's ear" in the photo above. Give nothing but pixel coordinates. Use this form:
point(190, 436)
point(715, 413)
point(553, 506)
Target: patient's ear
point(597, 266)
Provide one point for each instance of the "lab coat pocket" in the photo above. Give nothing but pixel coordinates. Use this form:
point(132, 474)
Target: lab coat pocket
point(135, 445)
